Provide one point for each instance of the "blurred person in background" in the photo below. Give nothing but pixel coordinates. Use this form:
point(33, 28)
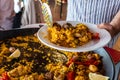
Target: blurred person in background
point(6, 14)
point(32, 13)
point(104, 13)
point(29, 13)
point(18, 8)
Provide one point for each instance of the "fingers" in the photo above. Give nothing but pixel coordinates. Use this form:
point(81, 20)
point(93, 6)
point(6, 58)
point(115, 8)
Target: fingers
point(105, 26)
point(108, 27)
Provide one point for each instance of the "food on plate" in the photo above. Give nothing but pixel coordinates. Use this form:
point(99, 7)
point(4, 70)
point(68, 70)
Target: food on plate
point(39, 62)
point(68, 35)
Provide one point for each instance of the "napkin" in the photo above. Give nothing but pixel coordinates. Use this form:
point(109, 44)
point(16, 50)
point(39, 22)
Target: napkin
point(115, 55)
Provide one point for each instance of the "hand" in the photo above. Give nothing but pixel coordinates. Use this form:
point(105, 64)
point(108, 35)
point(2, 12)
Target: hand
point(108, 27)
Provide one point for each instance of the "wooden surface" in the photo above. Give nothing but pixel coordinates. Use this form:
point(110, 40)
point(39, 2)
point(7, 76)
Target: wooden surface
point(55, 9)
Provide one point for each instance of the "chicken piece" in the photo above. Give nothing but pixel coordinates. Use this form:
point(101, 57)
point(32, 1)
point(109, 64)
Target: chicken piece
point(93, 68)
point(12, 49)
point(49, 76)
point(59, 76)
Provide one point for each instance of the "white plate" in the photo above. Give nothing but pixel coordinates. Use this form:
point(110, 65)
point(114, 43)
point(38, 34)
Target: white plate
point(92, 45)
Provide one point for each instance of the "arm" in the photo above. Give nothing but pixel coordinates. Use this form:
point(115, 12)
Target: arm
point(116, 23)
point(114, 26)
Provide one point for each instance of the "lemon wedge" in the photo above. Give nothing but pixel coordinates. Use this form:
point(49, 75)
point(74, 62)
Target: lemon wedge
point(94, 76)
point(15, 54)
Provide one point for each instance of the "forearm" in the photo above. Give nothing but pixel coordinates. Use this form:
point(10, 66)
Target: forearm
point(116, 23)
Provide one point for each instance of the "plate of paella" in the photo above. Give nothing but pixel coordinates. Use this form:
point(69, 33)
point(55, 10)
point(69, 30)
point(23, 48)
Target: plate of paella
point(73, 36)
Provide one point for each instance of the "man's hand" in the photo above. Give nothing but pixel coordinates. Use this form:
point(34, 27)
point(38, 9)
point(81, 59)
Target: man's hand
point(114, 26)
point(108, 27)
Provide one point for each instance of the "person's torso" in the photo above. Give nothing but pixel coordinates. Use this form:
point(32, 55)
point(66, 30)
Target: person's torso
point(93, 11)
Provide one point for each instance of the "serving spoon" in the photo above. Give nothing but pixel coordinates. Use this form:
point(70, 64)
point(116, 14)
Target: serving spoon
point(47, 15)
